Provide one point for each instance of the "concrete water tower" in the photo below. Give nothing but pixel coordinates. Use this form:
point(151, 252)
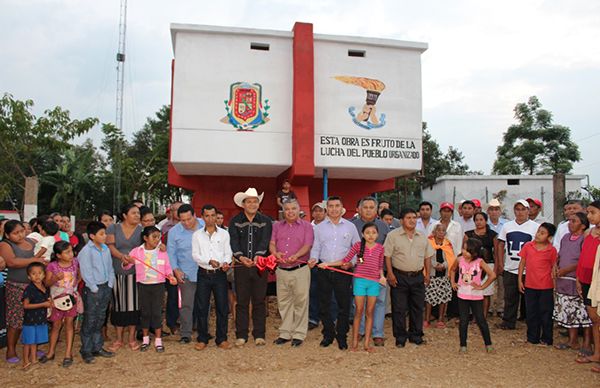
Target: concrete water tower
point(253, 107)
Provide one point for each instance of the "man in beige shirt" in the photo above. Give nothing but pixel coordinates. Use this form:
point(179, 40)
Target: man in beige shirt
point(407, 253)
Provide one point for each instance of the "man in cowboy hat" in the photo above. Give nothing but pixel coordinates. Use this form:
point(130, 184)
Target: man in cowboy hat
point(250, 233)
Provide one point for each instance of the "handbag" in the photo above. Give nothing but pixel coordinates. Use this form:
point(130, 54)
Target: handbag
point(64, 302)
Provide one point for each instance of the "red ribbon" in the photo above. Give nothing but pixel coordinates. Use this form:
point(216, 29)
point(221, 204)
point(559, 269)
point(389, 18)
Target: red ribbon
point(353, 274)
point(264, 263)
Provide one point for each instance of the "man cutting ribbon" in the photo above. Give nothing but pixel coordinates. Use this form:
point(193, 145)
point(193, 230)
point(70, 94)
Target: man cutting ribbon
point(250, 233)
point(291, 241)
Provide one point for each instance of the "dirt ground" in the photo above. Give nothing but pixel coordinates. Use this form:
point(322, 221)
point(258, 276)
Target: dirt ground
point(437, 363)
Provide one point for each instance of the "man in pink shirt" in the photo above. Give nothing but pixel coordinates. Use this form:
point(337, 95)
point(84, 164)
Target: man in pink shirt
point(291, 241)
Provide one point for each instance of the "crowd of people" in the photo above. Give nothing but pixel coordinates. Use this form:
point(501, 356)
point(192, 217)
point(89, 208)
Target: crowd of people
point(139, 276)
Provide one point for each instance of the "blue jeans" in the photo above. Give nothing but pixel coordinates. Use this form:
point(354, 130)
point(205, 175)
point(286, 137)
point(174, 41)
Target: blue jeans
point(215, 283)
point(378, 315)
point(95, 305)
point(313, 303)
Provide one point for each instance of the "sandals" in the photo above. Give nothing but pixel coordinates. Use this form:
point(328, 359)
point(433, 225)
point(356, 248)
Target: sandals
point(134, 346)
point(115, 346)
point(440, 325)
point(13, 360)
point(44, 359)
point(585, 352)
point(562, 346)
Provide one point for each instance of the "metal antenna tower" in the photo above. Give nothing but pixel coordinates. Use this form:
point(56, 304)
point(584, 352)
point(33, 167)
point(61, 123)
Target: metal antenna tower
point(120, 92)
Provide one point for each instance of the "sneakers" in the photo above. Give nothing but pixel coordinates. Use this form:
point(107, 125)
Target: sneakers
point(260, 342)
point(240, 342)
point(224, 345)
point(462, 350)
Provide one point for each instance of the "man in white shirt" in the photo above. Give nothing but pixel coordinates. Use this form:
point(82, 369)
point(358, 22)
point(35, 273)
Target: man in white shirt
point(513, 236)
point(425, 222)
point(212, 252)
point(466, 218)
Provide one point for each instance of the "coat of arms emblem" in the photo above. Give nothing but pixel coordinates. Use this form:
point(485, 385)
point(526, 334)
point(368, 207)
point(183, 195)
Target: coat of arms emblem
point(245, 107)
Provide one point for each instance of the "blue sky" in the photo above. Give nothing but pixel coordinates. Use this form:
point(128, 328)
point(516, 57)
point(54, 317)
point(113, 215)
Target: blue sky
point(483, 58)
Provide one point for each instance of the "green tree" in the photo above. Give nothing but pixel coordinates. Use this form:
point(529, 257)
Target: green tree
point(435, 164)
point(75, 181)
point(150, 151)
point(30, 145)
point(120, 178)
point(535, 145)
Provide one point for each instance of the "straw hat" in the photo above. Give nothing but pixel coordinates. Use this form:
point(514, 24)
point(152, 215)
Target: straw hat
point(239, 198)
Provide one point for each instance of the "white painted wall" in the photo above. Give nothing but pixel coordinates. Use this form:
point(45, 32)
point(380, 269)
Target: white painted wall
point(207, 61)
point(483, 187)
point(398, 66)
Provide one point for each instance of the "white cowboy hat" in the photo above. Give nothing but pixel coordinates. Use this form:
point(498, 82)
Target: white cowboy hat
point(239, 198)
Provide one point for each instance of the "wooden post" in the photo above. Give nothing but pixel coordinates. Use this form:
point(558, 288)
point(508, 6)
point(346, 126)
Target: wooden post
point(30, 199)
point(558, 188)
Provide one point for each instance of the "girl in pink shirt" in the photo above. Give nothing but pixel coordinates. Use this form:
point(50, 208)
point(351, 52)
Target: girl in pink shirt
point(471, 267)
point(369, 271)
point(151, 266)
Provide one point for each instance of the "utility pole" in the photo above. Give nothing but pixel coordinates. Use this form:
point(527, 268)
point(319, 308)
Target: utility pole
point(119, 116)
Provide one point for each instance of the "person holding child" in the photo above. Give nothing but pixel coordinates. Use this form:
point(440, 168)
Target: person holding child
point(17, 251)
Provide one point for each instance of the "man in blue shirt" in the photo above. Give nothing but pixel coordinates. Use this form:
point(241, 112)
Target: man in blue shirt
point(333, 239)
point(95, 265)
point(185, 269)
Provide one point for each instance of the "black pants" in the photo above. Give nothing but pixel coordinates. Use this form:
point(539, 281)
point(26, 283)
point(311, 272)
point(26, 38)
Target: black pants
point(512, 299)
point(172, 313)
point(476, 307)
point(341, 286)
point(150, 300)
point(408, 297)
point(540, 304)
point(250, 285)
point(215, 283)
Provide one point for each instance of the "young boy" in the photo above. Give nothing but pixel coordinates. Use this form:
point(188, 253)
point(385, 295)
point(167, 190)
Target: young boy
point(538, 258)
point(36, 301)
point(43, 247)
point(95, 265)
